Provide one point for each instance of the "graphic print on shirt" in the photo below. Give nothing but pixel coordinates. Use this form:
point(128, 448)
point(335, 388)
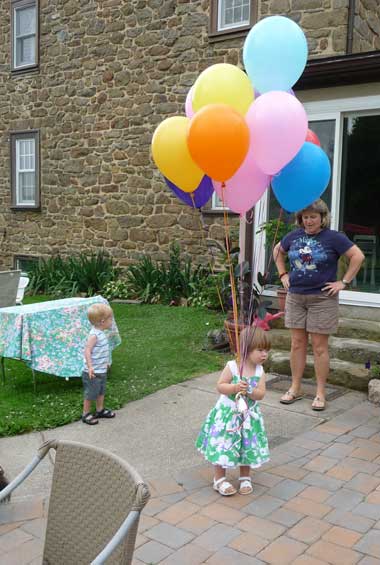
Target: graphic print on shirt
point(305, 254)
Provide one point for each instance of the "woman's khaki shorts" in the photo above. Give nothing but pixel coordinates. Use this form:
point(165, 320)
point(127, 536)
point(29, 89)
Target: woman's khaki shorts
point(315, 313)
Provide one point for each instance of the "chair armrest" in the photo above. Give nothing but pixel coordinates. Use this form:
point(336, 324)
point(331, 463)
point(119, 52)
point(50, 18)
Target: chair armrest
point(20, 478)
point(117, 538)
point(42, 451)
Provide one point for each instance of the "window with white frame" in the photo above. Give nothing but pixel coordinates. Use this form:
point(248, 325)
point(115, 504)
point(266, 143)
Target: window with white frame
point(24, 34)
point(217, 203)
point(230, 17)
point(233, 13)
point(25, 169)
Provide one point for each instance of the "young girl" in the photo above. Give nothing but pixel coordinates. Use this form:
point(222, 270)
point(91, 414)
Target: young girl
point(233, 434)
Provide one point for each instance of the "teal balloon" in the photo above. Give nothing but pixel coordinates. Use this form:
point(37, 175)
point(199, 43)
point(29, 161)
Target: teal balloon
point(275, 54)
point(304, 179)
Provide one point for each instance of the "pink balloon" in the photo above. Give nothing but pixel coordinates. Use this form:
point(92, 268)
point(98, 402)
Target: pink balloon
point(189, 104)
point(245, 187)
point(278, 124)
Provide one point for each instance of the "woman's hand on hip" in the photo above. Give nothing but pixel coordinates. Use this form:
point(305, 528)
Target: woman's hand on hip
point(333, 288)
point(285, 281)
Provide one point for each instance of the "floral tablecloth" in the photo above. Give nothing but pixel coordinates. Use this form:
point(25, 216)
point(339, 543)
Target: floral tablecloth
point(50, 336)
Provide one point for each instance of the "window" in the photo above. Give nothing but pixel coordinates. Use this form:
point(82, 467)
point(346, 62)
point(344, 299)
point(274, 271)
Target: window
point(24, 34)
point(25, 169)
point(231, 16)
point(233, 13)
point(217, 203)
point(24, 263)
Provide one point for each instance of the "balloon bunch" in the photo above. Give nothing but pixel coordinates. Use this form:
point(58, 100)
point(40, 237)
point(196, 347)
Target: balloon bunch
point(246, 128)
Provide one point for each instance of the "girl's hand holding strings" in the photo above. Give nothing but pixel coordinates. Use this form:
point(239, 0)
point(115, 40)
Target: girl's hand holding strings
point(241, 386)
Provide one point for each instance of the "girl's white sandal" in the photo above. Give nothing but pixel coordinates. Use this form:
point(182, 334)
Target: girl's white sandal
point(245, 485)
point(224, 487)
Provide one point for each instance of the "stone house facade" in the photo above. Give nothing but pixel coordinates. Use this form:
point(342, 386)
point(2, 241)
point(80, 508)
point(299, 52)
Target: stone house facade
point(100, 75)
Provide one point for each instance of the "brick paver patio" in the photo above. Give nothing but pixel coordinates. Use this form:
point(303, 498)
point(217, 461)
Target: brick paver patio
point(317, 501)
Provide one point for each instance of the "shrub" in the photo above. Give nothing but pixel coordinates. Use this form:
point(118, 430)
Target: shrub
point(165, 282)
point(116, 289)
point(69, 276)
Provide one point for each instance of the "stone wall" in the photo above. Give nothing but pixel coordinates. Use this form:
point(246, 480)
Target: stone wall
point(110, 71)
point(366, 35)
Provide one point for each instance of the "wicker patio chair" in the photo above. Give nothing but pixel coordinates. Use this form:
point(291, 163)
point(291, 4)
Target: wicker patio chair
point(9, 281)
point(94, 507)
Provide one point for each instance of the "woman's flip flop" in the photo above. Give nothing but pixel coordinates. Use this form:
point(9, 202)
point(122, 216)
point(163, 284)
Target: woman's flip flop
point(289, 397)
point(319, 404)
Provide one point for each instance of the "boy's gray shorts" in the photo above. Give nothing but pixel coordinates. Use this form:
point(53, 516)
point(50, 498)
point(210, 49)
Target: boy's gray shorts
point(92, 388)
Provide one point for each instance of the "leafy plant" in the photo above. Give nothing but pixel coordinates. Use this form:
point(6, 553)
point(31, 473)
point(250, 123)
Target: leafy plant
point(274, 229)
point(165, 282)
point(116, 289)
point(69, 276)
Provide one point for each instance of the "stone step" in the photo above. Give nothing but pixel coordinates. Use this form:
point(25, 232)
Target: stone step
point(348, 327)
point(359, 329)
point(346, 349)
point(350, 375)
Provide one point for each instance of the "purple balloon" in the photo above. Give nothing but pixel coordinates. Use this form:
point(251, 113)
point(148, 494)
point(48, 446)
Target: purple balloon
point(199, 197)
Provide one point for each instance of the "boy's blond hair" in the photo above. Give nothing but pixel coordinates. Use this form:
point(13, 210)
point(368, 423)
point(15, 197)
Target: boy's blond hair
point(98, 312)
point(253, 337)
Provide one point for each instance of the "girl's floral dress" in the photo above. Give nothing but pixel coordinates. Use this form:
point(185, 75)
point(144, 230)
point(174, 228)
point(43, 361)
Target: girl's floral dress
point(230, 439)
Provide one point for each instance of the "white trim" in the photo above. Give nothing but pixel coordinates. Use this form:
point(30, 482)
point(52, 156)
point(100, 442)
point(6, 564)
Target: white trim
point(16, 38)
point(18, 170)
point(233, 25)
point(354, 104)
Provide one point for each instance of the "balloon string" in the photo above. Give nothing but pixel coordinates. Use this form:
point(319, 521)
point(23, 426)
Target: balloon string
point(192, 199)
point(232, 278)
point(204, 227)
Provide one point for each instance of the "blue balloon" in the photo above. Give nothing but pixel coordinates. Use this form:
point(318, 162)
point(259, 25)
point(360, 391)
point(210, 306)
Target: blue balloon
point(199, 197)
point(304, 179)
point(275, 54)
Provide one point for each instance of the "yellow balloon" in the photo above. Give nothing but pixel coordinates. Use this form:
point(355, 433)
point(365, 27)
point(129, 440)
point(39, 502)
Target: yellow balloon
point(172, 156)
point(223, 84)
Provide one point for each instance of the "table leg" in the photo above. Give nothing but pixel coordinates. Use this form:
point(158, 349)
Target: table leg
point(2, 370)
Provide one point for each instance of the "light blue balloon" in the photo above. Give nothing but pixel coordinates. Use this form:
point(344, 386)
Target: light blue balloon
point(275, 54)
point(304, 179)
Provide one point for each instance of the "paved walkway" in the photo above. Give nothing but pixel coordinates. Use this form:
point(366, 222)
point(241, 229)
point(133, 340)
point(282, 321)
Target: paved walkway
point(317, 501)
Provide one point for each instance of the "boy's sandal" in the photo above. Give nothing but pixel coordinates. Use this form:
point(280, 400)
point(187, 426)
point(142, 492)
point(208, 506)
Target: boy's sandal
point(105, 413)
point(318, 404)
point(289, 397)
point(245, 485)
point(224, 487)
point(89, 419)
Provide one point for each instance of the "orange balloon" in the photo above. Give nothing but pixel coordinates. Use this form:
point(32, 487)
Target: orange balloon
point(218, 140)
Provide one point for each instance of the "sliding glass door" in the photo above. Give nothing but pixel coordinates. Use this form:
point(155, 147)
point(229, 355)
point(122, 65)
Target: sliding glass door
point(349, 132)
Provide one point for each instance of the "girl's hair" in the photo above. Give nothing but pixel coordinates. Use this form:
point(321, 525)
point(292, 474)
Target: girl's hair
point(252, 338)
point(98, 312)
point(320, 208)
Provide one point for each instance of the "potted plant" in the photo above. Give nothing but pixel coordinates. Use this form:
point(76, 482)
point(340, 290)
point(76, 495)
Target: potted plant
point(274, 230)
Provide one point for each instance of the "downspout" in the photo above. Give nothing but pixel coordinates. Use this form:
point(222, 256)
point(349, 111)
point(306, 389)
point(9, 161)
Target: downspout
point(350, 26)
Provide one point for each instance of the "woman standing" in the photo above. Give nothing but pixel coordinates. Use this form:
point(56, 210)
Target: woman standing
point(312, 301)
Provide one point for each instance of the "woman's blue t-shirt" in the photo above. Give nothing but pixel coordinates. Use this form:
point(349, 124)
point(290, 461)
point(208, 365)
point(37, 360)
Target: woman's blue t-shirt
point(313, 258)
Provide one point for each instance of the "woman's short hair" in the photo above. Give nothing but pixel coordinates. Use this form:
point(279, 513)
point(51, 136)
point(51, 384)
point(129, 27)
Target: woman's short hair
point(253, 337)
point(319, 207)
point(98, 312)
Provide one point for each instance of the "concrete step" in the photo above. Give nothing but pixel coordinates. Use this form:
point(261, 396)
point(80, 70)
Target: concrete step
point(346, 349)
point(345, 373)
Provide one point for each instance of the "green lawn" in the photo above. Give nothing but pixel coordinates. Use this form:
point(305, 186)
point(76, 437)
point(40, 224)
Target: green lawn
point(161, 346)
